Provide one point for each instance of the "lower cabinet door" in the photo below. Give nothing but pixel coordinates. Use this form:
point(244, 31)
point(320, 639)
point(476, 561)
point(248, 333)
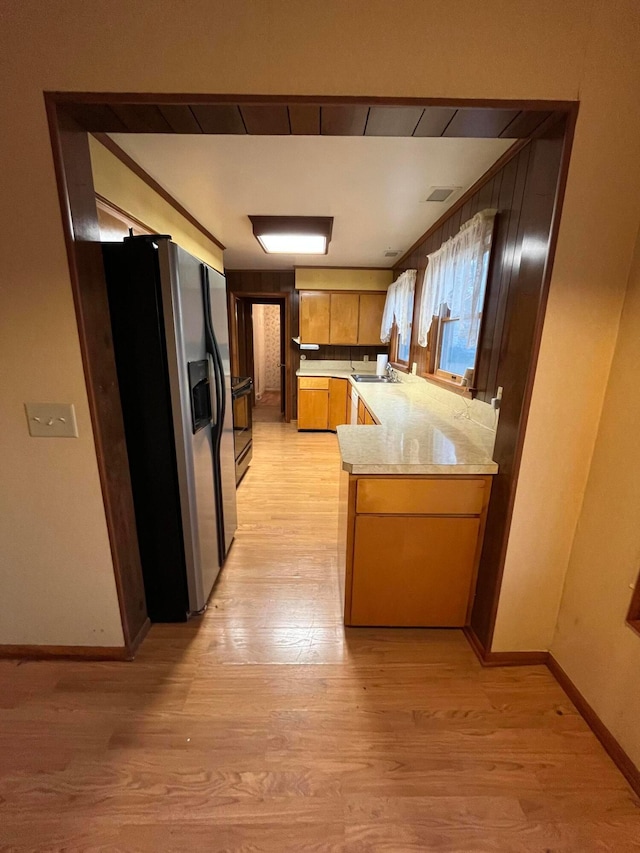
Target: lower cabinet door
point(338, 403)
point(313, 409)
point(412, 570)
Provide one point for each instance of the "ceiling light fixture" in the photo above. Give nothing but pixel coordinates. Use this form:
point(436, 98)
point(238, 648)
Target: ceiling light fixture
point(293, 235)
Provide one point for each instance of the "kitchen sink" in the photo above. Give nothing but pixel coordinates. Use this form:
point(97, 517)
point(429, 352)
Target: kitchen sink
point(369, 377)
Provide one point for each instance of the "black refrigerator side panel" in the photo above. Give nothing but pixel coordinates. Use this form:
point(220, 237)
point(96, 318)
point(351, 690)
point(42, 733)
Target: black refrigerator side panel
point(133, 284)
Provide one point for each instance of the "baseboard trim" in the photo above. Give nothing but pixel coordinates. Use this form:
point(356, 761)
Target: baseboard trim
point(135, 644)
point(617, 754)
point(503, 658)
point(65, 652)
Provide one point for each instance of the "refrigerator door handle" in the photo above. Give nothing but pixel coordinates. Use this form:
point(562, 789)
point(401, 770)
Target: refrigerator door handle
point(212, 350)
point(211, 346)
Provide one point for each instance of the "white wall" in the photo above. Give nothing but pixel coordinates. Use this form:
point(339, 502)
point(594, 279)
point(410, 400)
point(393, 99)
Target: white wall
point(515, 49)
point(592, 641)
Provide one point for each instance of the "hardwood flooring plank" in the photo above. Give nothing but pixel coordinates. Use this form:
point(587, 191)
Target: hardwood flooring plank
point(265, 725)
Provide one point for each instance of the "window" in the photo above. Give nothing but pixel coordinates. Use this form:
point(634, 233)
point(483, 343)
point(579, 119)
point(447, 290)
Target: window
point(398, 316)
point(453, 299)
point(403, 347)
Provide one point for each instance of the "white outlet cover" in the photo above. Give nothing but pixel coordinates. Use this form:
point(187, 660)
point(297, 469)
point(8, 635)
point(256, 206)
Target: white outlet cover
point(51, 420)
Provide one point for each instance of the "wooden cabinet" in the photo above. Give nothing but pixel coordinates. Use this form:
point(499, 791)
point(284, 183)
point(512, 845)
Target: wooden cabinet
point(315, 314)
point(341, 318)
point(364, 415)
point(322, 402)
point(338, 403)
point(313, 402)
point(345, 312)
point(371, 306)
point(412, 549)
point(412, 570)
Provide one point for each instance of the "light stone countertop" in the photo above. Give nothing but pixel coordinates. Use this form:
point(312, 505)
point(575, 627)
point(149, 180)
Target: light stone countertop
point(421, 428)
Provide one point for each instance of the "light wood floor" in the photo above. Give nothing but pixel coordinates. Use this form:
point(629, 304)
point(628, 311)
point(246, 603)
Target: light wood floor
point(264, 727)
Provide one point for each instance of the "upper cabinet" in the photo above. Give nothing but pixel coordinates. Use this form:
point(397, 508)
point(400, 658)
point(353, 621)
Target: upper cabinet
point(315, 314)
point(345, 310)
point(341, 318)
point(370, 318)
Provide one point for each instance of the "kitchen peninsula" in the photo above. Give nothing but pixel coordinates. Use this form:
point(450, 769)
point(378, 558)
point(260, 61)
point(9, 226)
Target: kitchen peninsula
point(415, 492)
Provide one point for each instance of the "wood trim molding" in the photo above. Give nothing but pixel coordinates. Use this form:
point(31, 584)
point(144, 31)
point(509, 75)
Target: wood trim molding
point(568, 129)
point(200, 98)
point(617, 754)
point(633, 616)
point(136, 641)
point(109, 206)
point(19, 652)
point(502, 658)
point(131, 164)
point(70, 150)
point(316, 267)
point(502, 161)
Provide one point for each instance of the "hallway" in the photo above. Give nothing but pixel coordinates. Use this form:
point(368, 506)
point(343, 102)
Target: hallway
point(263, 727)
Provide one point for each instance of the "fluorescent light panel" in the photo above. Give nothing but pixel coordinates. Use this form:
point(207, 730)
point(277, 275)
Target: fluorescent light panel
point(293, 235)
point(294, 244)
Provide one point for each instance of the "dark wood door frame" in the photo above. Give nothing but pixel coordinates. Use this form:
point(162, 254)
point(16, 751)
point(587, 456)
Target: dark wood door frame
point(282, 299)
point(69, 140)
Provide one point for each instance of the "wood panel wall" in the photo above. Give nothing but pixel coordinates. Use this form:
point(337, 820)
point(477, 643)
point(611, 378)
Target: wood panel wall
point(524, 191)
point(241, 282)
point(345, 353)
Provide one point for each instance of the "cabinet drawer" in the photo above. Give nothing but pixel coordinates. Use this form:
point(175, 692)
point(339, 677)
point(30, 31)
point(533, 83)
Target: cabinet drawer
point(420, 497)
point(313, 383)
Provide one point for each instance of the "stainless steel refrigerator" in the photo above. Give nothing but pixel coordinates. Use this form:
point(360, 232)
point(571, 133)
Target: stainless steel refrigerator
point(171, 341)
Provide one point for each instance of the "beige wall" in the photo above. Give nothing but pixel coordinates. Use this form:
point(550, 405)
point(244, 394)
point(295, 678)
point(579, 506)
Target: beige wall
point(592, 641)
point(333, 278)
point(595, 246)
point(115, 182)
point(516, 49)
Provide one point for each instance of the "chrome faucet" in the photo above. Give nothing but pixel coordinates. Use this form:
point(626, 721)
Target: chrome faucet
point(391, 374)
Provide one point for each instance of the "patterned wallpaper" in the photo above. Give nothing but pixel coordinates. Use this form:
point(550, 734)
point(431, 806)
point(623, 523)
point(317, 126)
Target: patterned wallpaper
point(272, 347)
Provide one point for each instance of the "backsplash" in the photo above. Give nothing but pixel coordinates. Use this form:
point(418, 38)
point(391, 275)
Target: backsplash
point(335, 353)
point(460, 407)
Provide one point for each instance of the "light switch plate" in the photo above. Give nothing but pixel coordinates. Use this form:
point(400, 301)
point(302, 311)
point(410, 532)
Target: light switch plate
point(54, 420)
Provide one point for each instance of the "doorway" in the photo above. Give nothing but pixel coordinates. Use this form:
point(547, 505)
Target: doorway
point(73, 115)
point(259, 331)
point(268, 361)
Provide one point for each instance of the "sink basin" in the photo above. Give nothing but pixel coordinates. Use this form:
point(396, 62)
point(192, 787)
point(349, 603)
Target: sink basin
point(370, 377)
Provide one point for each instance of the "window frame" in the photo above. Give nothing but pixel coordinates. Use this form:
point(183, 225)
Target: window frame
point(394, 347)
point(433, 370)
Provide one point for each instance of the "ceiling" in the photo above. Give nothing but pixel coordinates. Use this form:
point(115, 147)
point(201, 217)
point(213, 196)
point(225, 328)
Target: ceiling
point(374, 187)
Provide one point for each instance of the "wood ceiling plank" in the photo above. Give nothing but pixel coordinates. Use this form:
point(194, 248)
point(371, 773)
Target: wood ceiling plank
point(96, 118)
point(479, 123)
point(180, 118)
point(434, 120)
point(304, 119)
point(393, 121)
point(219, 118)
point(347, 120)
point(524, 124)
point(142, 118)
point(266, 120)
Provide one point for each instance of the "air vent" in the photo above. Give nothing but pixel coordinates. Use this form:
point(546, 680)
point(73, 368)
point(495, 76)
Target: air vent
point(441, 193)
point(391, 254)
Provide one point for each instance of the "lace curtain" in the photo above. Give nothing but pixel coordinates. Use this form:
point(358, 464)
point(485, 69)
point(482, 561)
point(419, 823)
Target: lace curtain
point(399, 304)
point(456, 275)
